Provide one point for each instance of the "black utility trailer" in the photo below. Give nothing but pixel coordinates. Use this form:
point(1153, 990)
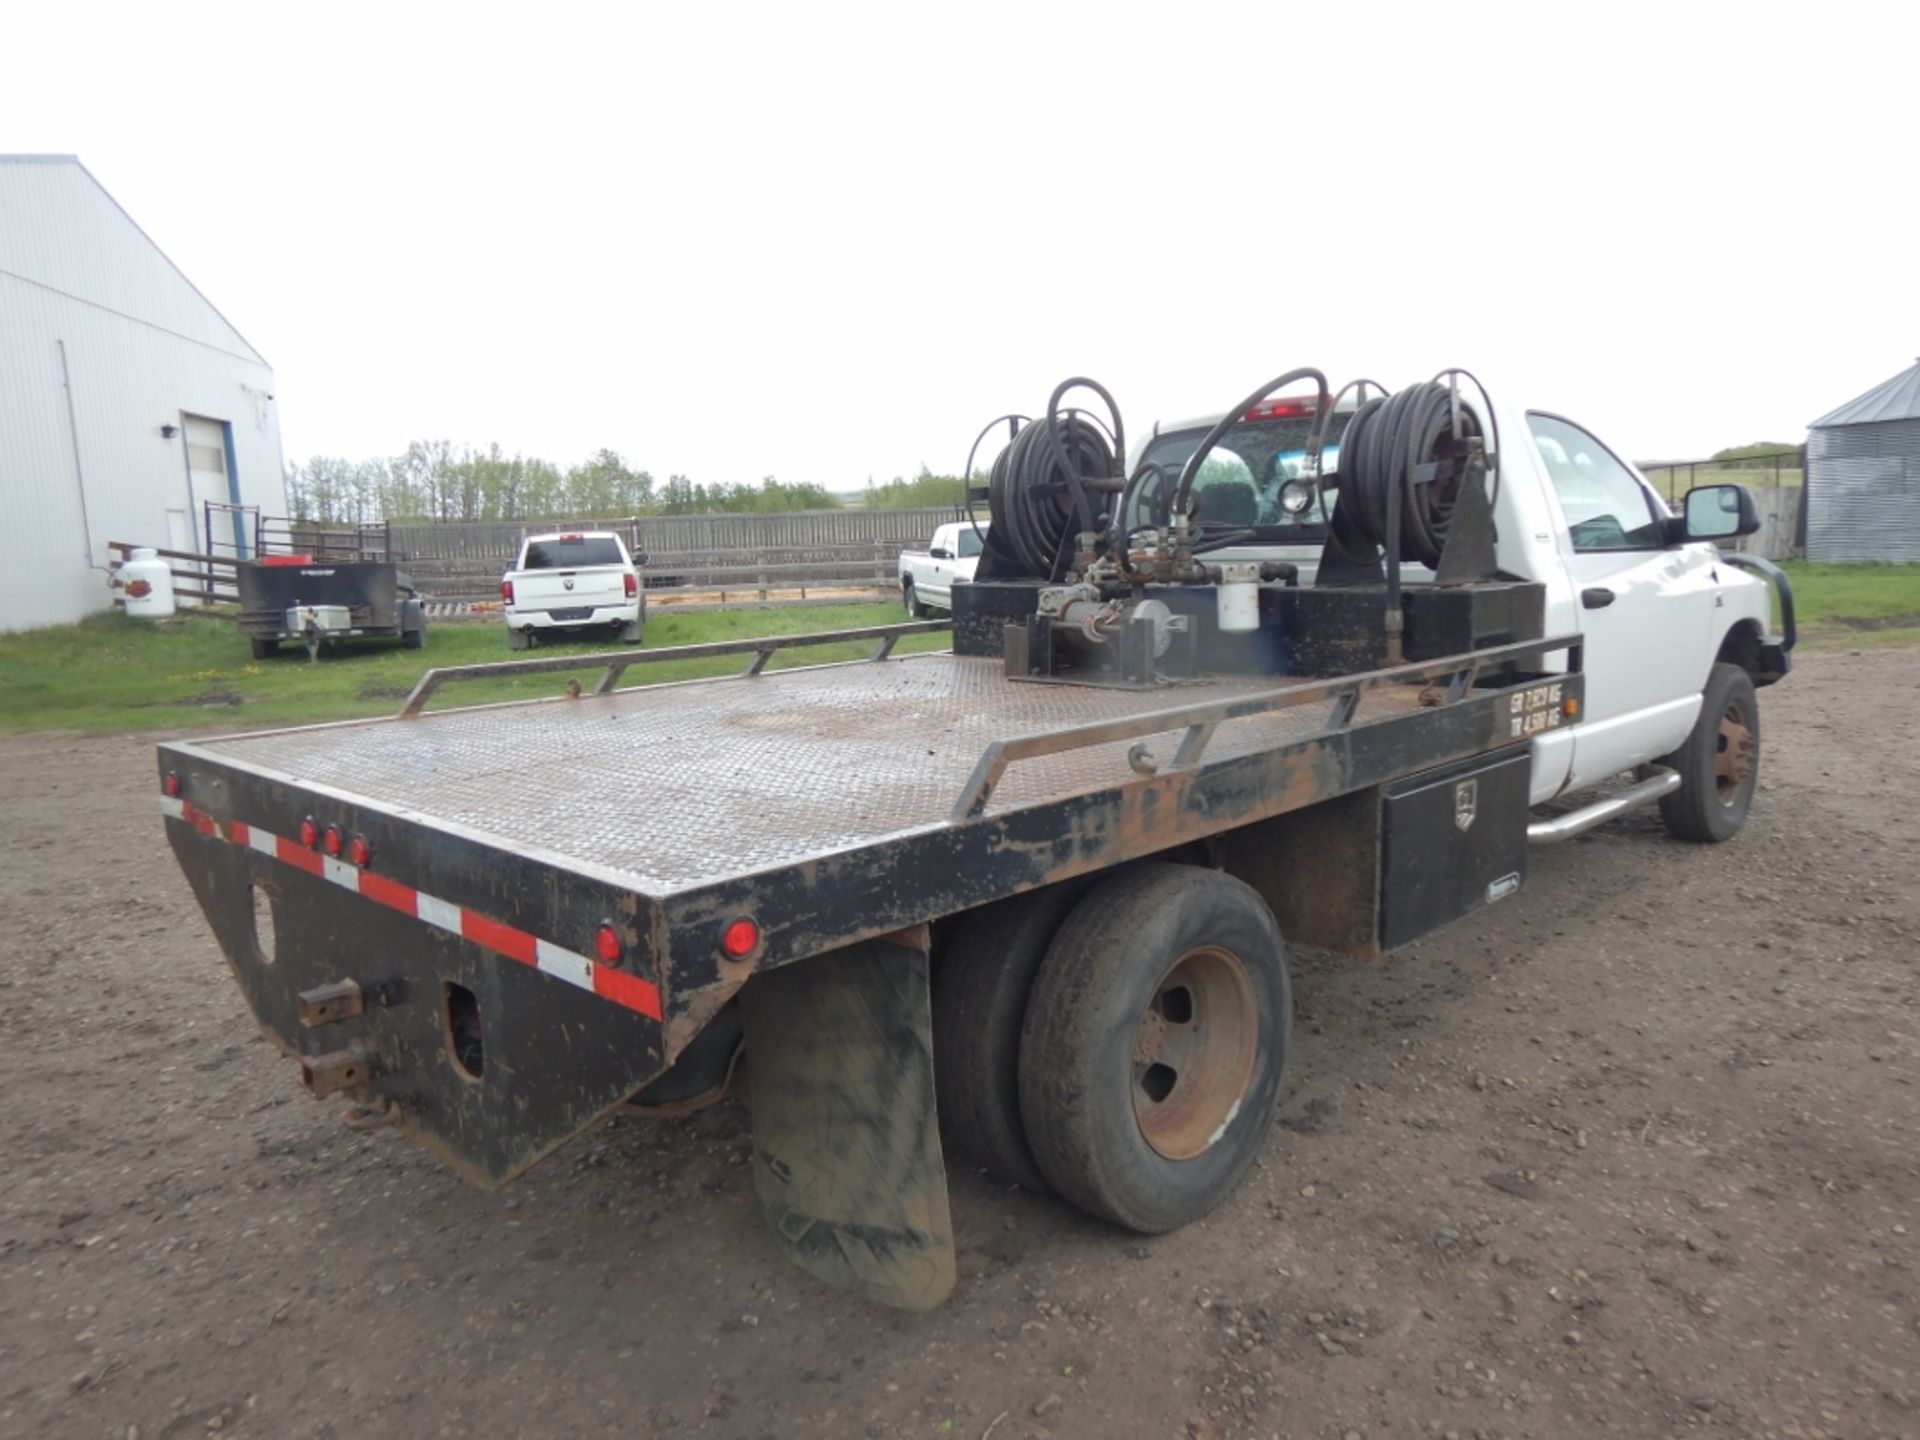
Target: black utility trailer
point(318, 602)
point(1046, 874)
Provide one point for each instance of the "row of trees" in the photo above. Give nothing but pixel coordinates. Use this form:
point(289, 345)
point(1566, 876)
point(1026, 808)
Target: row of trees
point(436, 480)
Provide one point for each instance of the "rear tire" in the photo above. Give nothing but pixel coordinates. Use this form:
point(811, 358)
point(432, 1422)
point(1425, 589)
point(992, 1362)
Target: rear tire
point(980, 993)
point(915, 610)
point(519, 639)
point(632, 631)
point(263, 649)
point(1719, 762)
point(414, 639)
point(1155, 1045)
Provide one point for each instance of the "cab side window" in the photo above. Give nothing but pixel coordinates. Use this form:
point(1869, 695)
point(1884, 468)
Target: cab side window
point(1606, 507)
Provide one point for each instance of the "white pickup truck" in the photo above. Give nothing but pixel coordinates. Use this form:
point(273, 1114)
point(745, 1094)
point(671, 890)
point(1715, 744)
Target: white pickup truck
point(565, 583)
point(1033, 896)
point(927, 576)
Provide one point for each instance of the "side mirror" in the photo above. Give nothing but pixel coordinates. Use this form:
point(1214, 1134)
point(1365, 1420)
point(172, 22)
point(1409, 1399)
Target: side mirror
point(939, 554)
point(1719, 512)
point(640, 559)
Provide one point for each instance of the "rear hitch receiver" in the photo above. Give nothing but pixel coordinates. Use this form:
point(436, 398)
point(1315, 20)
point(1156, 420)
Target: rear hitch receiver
point(329, 1004)
point(337, 1070)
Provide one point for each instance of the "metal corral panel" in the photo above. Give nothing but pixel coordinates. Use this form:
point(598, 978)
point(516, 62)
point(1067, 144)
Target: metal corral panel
point(1863, 492)
point(102, 343)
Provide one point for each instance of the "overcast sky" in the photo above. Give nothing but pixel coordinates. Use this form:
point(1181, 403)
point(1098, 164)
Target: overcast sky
point(828, 244)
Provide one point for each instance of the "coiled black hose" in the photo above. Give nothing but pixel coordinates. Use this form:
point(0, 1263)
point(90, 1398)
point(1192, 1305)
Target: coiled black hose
point(1401, 465)
point(1037, 491)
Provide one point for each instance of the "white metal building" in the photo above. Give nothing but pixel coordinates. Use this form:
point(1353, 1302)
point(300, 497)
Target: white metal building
point(127, 402)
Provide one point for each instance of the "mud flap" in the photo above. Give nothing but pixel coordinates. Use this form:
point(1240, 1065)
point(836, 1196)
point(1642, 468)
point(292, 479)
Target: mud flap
point(846, 1147)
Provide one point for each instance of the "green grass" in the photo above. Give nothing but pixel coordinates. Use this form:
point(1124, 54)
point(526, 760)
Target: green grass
point(111, 673)
point(1853, 605)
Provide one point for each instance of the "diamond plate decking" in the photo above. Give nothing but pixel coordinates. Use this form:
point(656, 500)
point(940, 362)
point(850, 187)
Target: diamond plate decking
point(685, 784)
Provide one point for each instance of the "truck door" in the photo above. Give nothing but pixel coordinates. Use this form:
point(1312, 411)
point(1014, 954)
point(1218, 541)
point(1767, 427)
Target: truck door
point(940, 567)
point(1645, 609)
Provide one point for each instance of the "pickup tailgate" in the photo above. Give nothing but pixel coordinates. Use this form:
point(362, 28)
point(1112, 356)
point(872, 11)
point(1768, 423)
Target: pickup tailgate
point(585, 587)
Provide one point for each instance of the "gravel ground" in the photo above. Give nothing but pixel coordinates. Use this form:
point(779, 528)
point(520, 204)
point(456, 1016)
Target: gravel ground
point(1633, 1154)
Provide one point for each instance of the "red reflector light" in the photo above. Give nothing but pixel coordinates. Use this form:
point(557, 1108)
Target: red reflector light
point(741, 937)
point(506, 591)
point(170, 785)
point(359, 851)
point(606, 944)
point(633, 585)
point(333, 842)
point(1284, 409)
point(309, 833)
point(571, 539)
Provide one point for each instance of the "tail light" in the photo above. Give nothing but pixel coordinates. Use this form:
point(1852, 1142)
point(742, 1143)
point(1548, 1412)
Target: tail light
point(359, 851)
point(741, 938)
point(506, 591)
point(170, 785)
point(633, 584)
point(333, 842)
point(607, 945)
point(310, 832)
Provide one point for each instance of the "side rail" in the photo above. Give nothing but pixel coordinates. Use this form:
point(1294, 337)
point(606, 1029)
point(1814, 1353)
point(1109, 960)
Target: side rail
point(616, 663)
point(1448, 680)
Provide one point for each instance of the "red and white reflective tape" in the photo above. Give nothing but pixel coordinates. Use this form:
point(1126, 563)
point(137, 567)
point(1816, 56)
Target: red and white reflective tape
point(608, 983)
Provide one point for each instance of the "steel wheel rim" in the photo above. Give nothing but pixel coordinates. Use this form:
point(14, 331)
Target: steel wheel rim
point(1733, 756)
point(1193, 1052)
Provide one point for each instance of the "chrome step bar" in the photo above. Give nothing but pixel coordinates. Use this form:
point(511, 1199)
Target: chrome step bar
point(1661, 781)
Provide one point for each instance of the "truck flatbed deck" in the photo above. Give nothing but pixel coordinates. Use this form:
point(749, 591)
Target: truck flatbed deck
point(669, 787)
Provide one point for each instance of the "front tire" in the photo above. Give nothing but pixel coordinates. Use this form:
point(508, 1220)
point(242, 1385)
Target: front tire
point(1155, 1045)
point(1719, 762)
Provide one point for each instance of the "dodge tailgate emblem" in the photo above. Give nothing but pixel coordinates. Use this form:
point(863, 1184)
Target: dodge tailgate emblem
point(1466, 797)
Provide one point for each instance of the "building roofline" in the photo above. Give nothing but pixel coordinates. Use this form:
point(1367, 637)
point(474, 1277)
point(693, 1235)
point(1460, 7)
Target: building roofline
point(78, 164)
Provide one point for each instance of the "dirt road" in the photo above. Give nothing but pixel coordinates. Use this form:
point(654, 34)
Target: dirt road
point(1636, 1153)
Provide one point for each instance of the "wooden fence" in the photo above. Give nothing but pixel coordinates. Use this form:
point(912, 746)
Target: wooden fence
point(763, 556)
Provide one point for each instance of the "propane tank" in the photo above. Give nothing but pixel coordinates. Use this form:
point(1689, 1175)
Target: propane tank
point(147, 582)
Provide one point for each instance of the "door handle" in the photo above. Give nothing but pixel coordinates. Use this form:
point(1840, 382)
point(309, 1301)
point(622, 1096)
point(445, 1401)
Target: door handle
point(1596, 597)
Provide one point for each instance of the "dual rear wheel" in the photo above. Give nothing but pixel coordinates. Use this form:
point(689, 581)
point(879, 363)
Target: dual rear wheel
point(1122, 1044)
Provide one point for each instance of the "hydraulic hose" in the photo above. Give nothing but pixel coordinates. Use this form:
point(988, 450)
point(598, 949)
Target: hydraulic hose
point(1184, 487)
point(1401, 465)
point(1039, 486)
point(1013, 422)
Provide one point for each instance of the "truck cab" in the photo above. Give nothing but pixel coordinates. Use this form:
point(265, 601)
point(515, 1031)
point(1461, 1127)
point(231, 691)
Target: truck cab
point(1656, 601)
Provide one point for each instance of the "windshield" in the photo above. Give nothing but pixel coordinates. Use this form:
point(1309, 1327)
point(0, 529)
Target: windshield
point(570, 552)
point(1239, 481)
